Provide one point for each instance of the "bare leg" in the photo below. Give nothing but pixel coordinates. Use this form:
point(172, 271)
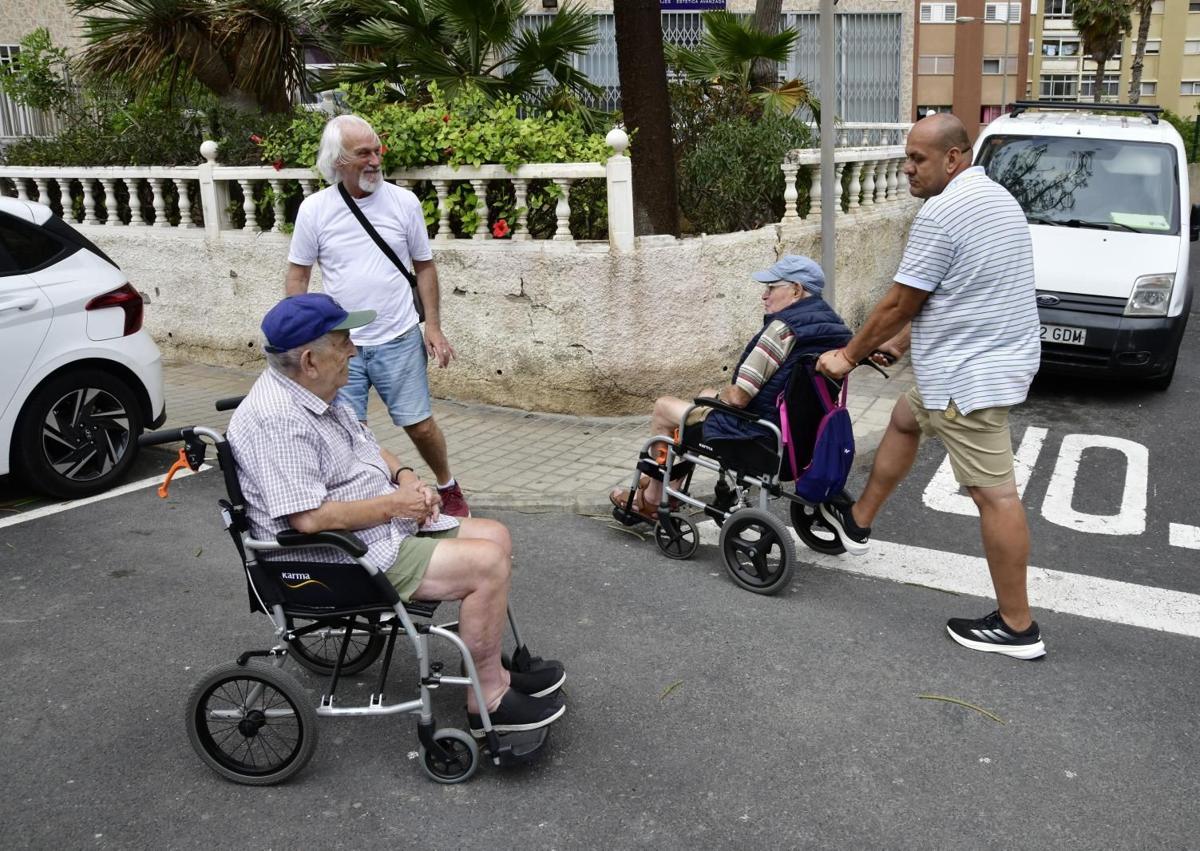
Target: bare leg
point(894, 458)
point(431, 445)
point(476, 568)
point(668, 411)
point(1006, 545)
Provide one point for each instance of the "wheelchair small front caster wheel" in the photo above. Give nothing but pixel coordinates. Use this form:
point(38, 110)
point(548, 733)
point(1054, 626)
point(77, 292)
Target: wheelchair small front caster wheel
point(814, 531)
point(458, 760)
point(758, 551)
point(677, 537)
point(251, 724)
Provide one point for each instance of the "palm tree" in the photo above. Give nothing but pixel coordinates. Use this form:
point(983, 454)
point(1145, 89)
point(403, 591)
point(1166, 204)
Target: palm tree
point(727, 54)
point(766, 20)
point(480, 44)
point(1102, 25)
point(1142, 7)
point(249, 53)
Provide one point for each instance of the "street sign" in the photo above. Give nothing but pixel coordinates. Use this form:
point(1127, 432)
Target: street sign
point(691, 5)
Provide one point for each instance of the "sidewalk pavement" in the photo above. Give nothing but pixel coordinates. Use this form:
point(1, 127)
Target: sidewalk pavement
point(506, 458)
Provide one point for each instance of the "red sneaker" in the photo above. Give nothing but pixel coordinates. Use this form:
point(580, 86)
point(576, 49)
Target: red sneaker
point(453, 501)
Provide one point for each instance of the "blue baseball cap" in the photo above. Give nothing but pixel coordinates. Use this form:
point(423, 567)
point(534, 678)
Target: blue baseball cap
point(300, 319)
point(794, 269)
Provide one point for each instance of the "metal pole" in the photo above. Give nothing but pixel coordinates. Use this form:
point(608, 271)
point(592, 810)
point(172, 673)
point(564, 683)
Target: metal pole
point(831, 195)
point(1004, 66)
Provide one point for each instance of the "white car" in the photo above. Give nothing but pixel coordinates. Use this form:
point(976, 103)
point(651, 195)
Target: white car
point(79, 378)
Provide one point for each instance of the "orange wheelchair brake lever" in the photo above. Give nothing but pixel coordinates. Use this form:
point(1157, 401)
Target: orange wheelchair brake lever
point(180, 463)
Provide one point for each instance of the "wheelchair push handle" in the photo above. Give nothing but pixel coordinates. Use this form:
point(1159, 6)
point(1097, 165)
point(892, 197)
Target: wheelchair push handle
point(166, 435)
point(228, 404)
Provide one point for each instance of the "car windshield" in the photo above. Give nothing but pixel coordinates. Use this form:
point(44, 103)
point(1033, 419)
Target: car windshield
point(1106, 184)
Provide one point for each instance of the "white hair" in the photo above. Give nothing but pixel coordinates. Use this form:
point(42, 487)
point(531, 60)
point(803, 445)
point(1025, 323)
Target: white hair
point(332, 152)
point(288, 362)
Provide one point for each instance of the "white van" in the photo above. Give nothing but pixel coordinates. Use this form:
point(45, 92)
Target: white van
point(1107, 198)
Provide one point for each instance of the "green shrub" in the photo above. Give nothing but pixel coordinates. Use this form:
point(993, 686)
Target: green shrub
point(729, 178)
point(1187, 129)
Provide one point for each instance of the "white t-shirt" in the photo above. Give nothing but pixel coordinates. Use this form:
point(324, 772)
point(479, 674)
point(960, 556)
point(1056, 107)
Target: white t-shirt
point(354, 270)
point(975, 340)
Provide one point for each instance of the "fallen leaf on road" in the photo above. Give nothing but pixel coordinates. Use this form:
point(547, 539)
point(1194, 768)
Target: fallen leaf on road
point(958, 702)
point(670, 689)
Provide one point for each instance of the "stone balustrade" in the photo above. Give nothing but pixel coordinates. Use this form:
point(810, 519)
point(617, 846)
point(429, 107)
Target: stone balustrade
point(868, 177)
point(253, 199)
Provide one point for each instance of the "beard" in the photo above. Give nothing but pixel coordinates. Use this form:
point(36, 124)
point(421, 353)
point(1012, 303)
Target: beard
point(369, 181)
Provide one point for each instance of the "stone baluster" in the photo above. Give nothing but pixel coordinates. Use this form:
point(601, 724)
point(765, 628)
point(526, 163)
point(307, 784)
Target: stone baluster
point(135, 202)
point(112, 217)
point(481, 210)
point(520, 228)
point(248, 205)
point(159, 203)
point(89, 201)
point(22, 189)
point(43, 194)
point(866, 138)
point(868, 183)
point(790, 195)
point(307, 186)
point(185, 203)
point(844, 141)
point(881, 181)
point(814, 191)
point(890, 181)
point(837, 189)
point(444, 234)
point(901, 183)
point(277, 204)
point(562, 210)
point(855, 187)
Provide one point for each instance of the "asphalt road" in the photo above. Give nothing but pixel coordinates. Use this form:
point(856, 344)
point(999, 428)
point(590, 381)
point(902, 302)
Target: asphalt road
point(700, 716)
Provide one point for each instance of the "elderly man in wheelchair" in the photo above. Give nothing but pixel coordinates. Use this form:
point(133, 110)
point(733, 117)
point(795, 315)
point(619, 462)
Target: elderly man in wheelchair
point(738, 433)
point(305, 463)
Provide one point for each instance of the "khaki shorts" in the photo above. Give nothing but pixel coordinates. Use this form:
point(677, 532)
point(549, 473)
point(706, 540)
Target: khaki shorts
point(979, 443)
point(412, 561)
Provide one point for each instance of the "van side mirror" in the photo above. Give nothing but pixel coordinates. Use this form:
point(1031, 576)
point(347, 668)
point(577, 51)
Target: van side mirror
point(1195, 227)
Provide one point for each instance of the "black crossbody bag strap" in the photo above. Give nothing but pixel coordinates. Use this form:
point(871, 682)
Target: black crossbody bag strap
point(386, 249)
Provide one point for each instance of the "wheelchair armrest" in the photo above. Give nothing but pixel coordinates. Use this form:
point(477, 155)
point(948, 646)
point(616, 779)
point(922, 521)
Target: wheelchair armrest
point(728, 409)
point(347, 542)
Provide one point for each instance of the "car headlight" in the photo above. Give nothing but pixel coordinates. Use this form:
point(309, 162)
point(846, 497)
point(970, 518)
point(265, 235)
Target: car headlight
point(1151, 296)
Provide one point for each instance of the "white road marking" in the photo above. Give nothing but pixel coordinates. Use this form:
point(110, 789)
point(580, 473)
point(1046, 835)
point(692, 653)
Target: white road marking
point(1181, 535)
point(1056, 590)
point(47, 510)
point(942, 492)
point(1130, 519)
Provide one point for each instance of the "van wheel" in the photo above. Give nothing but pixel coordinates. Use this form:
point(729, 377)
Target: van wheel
point(1164, 381)
point(78, 434)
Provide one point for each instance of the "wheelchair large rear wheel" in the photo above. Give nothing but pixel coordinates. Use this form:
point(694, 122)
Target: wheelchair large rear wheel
point(814, 531)
point(677, 537)
point(251, 724)
point(318, 650)
point(461, 757)
point(758, 551)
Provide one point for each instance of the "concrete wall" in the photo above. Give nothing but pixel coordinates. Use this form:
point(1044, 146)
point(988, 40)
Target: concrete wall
point(538, 325)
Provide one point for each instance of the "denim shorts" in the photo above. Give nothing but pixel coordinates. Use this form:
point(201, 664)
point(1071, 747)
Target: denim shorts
point(398, 371)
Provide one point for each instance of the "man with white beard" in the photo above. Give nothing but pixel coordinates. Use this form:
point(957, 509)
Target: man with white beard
point(392, 355)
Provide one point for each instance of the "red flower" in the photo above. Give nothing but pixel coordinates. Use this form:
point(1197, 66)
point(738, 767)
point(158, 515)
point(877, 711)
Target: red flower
point(382, 150)
point(446, 118)
point(278, 165)
point(255, 138)
point(500, 229)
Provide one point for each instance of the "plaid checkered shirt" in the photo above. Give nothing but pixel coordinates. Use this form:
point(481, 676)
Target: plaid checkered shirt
point(295, 452)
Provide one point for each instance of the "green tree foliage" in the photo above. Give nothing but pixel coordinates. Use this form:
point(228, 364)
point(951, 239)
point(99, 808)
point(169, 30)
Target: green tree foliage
point(40, 78)
point(248, 53)
point(1102, 25)
point(458, 45)
point(726, 56)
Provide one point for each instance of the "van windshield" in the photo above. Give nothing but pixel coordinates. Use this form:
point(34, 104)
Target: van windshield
point(1107, 184)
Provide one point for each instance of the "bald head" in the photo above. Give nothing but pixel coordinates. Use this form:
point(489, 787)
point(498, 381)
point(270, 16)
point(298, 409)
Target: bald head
point(938, 149)
point(944, 131)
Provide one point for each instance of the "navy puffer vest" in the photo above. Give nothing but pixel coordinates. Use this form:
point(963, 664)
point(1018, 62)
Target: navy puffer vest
point(818, 329)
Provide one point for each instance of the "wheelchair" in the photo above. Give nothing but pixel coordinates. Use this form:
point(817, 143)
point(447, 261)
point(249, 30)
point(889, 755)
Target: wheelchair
point(252, 722)
point(756, 546)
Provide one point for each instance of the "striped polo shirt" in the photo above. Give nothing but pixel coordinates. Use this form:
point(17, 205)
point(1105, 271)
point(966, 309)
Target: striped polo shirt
point(975, 341)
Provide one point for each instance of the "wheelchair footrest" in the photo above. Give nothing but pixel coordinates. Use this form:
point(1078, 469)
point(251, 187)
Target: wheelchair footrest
point(520, 748)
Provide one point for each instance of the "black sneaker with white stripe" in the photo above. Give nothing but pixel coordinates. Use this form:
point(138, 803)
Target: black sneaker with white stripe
point(838, 516)
point(992, 635)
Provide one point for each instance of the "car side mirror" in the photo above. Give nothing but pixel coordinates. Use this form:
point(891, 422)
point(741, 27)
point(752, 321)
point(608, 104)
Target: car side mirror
point(1195, 225)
